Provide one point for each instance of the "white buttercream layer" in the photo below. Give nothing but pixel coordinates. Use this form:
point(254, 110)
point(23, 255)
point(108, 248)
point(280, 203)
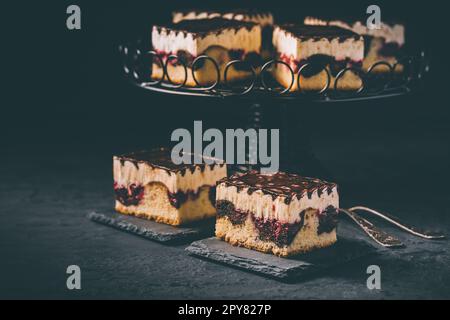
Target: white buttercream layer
point(263, 205)
point(144, 174)
point(261, 19)
point(394, 33)
point(298, 49)
point(171, 41)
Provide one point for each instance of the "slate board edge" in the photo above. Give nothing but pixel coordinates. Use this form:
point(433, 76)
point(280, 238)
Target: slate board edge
point(130, 228)
point(197, 248)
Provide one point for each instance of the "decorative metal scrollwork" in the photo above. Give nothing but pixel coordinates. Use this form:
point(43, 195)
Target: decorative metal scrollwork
point(308, 65)
point(138, 65)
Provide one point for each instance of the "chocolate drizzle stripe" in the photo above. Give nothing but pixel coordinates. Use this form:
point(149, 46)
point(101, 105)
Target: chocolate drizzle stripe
point(279, 185)
point(161, 159)
point(200, 28)
point(351, 22)
point(250, 13)
point(316, 33)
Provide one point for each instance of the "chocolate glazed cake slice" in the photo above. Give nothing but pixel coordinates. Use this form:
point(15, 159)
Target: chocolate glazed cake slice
point(279, 213)
point(383, 44)
point(221, 39)
point(260, 17)
point(320, 46)
point(147, 184)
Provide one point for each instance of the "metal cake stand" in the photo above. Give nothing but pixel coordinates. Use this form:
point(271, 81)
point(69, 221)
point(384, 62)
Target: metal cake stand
point(261, 92)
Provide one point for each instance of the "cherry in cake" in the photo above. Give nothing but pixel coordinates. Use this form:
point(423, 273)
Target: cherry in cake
point(278, 213)
point(221, 39)
point(148, 185)
point(321, 47)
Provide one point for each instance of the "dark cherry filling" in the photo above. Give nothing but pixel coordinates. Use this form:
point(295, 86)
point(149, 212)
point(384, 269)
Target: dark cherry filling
point(130, 196)
point(183, 57)
point(236, 54)
point(273, 230)
point(266, 37)
point(227, 209)
point(317, 62)
point(177, 199)
point(212, 196)
point(280, 233)
point(252, 58)
point(186, 58)
point(327, 220)
point(367, 44)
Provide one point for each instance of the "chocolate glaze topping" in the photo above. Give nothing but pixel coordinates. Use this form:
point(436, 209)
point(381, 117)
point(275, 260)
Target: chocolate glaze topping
point(235, 12)
point(202, 27)
point(161, 159)
point(305, 32)
point(352, 20)
point(287, 185)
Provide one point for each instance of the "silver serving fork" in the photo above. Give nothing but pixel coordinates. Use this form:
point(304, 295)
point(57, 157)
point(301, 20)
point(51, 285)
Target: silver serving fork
point(405, 227)
point(382, 238)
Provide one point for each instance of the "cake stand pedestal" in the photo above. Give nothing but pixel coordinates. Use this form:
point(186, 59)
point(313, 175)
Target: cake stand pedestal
point(269, 105)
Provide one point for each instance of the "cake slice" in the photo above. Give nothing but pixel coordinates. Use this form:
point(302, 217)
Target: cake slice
point(320, 46)
point(260, 17)
point(279, 213)
point(384, 44)
point(221, 39)
point(148, 184)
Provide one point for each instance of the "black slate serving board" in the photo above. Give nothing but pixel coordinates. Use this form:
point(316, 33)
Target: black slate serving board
point(152, 230)
point(286, 269)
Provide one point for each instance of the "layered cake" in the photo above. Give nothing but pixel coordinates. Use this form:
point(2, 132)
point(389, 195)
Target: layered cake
point(320, 46)
point(279, 213)
point(383, 44)
point(221, 39)
point(149, 185)
point(263, 18)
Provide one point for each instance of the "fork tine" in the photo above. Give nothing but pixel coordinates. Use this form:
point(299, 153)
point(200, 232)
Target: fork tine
point(379, 236)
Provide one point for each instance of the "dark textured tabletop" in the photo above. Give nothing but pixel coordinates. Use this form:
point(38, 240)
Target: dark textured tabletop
point(43, 226)
point(70, 110)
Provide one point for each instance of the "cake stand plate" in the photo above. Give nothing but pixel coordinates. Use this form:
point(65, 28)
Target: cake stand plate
point(152, 230)
point(270, 105)
point(292, 269)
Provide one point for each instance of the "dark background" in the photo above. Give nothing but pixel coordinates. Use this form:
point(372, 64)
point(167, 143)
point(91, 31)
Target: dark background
point(67, 110)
